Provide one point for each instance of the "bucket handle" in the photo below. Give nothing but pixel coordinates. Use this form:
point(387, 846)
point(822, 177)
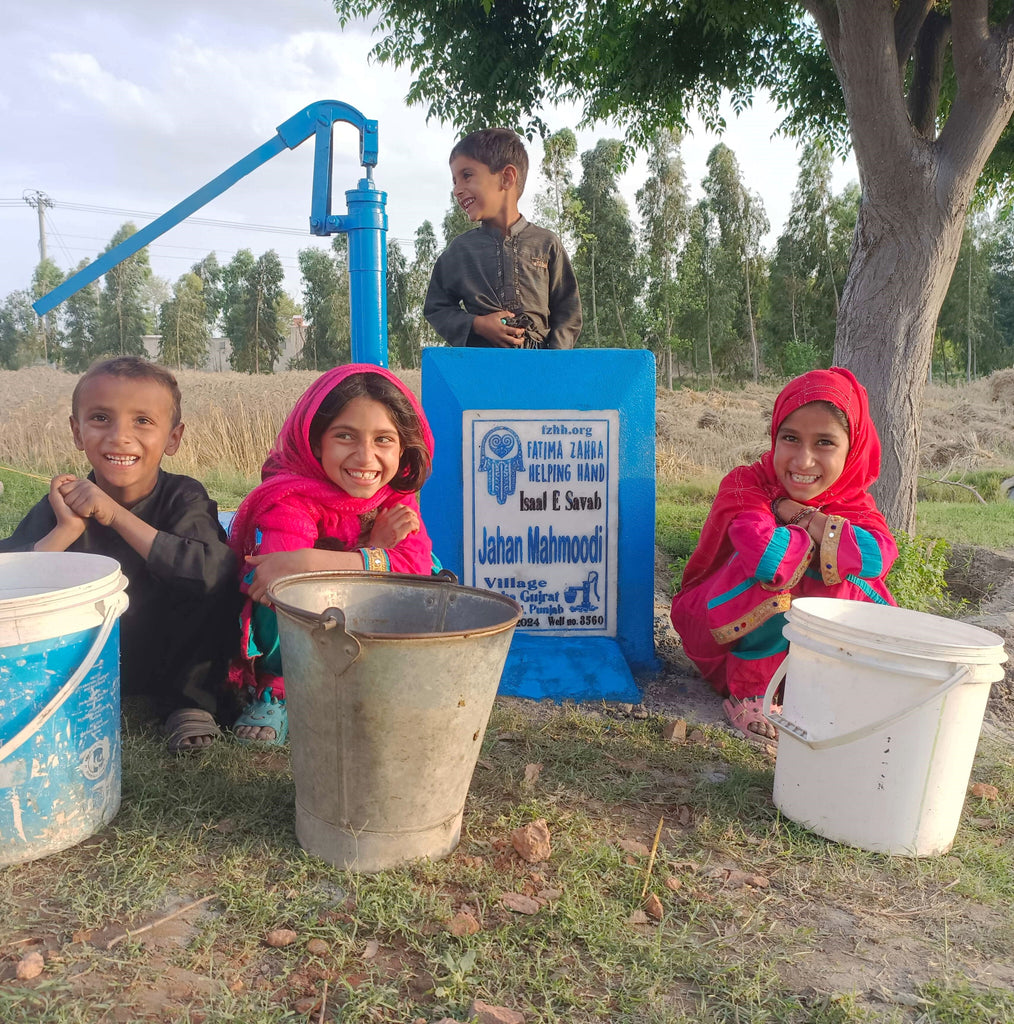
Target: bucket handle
point(349, 645)
point(114, 608)
point(960, 675)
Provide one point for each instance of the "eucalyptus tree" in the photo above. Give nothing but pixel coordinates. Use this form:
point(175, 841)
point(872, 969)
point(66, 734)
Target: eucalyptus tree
point(123, 321)
point(810, 264)
point(81, 321)
point(425, 253)
point(663, 203)
point(967, 318)
point(19, 330)
point(741, 221)
point(45, 278)
point(253, 293)
point(183, 325)
point(559, 206)
point(327, 340)
point(923, 90)
point(399, 325)
point(605, 258)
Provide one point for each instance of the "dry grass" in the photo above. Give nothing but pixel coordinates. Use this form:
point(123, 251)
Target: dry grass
point(232, 420)
point(707, 433)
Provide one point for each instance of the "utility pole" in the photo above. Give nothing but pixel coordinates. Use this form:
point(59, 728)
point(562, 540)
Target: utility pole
point(39, 201)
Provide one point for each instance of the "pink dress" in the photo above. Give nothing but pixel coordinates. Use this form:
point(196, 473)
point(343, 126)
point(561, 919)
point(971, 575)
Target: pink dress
point(747, 567)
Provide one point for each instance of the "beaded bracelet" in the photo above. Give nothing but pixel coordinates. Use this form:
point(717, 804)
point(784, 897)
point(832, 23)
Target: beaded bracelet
point(801, 515)
point(775, 502)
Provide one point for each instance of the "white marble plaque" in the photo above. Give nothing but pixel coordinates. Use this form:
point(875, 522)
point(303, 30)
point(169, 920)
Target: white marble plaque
point(541, 514)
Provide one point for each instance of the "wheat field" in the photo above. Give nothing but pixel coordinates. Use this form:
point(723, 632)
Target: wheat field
point(232, 420)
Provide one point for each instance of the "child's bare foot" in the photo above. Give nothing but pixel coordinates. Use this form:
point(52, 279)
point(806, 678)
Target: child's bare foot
point(747, 716)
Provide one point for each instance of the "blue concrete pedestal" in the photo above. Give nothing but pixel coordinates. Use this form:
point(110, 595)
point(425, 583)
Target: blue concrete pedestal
point(543, 488)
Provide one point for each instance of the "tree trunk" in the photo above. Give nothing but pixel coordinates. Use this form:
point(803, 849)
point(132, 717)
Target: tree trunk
point(916, 187)
point(903, 255)
point(749, 316)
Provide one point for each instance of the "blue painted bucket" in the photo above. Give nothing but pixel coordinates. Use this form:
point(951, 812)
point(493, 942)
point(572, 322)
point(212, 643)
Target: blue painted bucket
point(59, 700)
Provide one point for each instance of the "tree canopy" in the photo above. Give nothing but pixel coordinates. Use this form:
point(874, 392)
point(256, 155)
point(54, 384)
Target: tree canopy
point(923, 90)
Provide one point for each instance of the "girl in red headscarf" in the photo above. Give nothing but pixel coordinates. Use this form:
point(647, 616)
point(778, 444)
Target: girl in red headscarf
point(798, 523)
point(339, 492)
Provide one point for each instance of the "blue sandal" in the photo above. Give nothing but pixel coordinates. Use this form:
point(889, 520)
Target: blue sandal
point(264, 713)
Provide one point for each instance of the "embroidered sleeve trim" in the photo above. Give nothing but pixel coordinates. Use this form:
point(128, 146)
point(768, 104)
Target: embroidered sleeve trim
point(375, 560)
point(752, 619)
point(829, 550)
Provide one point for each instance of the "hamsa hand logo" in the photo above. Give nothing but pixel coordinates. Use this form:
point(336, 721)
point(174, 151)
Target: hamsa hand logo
point(500, 459)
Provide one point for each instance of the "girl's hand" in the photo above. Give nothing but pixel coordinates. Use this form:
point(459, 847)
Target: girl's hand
point(273, 567)
point(393, 525)
point(277, 564)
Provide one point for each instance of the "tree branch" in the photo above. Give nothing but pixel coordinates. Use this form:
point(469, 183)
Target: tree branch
point(825, 14)
point(984, 69)
point(927, 75)
point(954, 483)
point(970, 29)
point(908, 22)
point(868, 70)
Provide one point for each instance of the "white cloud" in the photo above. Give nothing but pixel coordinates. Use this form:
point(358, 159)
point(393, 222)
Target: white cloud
point(89, 84)
point(139, 105)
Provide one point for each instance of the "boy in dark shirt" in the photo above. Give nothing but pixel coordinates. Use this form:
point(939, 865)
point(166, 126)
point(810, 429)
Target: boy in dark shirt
point(181, 626)
point(514, 279)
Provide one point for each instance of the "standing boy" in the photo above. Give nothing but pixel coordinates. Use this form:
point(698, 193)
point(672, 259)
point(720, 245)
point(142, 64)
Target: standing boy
point(181, 625)
point(513, 279)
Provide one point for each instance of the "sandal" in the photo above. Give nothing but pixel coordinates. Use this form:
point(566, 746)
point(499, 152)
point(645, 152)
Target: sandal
point(186, 724)
point(741, 714)
point(264, 713)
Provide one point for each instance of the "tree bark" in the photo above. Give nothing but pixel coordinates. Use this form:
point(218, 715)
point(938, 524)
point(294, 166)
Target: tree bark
point(915, 195)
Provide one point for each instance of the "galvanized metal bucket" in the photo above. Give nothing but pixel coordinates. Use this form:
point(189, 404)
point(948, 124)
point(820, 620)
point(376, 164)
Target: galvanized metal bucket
point(389, 684)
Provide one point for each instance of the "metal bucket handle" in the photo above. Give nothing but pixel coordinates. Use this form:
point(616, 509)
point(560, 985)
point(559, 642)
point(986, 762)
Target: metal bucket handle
point(960, 675)
point(349, 646)
point(114, 608)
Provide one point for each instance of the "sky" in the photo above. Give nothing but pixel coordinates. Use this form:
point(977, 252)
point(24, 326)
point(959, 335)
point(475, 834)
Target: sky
point(124, 108)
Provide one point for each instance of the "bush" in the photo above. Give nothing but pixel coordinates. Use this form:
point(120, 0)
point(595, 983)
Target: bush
point(917, 578)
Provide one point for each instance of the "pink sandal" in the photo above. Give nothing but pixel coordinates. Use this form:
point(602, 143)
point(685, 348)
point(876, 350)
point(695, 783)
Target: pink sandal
point(741, 714)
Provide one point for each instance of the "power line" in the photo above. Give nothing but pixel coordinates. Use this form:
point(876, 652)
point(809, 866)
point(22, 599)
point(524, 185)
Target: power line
point(203, 221)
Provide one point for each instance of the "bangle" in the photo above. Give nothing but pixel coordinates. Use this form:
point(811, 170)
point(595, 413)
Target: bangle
point(801, 515)
point(775, 502)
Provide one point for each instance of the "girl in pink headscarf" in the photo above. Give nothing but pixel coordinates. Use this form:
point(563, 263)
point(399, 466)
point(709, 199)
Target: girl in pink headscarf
point(339, 491)
point(798, 523)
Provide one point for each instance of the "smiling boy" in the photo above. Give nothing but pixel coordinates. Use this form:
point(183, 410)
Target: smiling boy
point(181, 625)
point(508, 283)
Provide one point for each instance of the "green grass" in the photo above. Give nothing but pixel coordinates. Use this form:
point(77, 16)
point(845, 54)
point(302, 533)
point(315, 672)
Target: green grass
point(222, 825)
point(986, 483)
point(21, 492)
point(988, 526)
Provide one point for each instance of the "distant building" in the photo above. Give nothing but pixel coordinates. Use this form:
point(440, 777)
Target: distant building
point(220, 349)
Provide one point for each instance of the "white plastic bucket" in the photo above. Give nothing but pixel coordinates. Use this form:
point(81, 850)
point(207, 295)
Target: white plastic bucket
point(59, 700)
point(880, 720)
